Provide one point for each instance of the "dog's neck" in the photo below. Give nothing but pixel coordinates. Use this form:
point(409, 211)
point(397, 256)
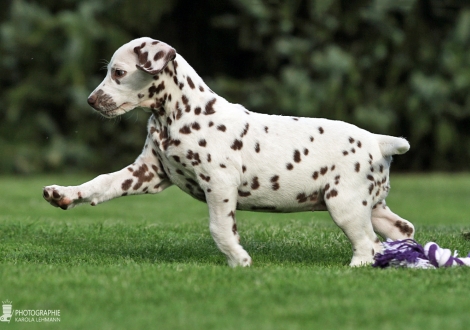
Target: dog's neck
point(179, 91)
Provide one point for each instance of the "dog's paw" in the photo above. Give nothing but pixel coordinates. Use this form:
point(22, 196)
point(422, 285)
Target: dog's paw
point(59, 196)
point(242, 260)
point(361, 261)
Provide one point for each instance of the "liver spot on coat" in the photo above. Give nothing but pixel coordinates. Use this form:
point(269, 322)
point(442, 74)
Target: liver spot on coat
point(237, 145)
point(297, 158)
point(209, 109)
point(255, 183)
point(190, 83)
point(404, 228)
point(126, 184)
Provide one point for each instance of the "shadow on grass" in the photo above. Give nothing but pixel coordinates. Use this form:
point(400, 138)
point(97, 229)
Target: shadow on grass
point(119, 244)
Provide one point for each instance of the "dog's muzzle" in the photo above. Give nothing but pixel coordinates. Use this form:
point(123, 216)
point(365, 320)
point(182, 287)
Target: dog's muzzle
point(101, 102)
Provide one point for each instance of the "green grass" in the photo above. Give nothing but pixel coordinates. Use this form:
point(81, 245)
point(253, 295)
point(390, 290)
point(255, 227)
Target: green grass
point(149, 262)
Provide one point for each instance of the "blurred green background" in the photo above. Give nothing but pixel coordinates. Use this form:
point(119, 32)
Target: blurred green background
point(398, 67)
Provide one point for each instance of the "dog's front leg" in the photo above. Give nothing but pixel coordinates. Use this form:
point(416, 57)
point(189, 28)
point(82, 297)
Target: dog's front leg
point(146, 175)
point(222, 207)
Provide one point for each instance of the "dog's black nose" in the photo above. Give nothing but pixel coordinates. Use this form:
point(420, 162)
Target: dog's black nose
point(92, 99)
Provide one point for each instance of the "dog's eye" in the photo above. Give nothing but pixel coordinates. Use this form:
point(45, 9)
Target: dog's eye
point(118, 73)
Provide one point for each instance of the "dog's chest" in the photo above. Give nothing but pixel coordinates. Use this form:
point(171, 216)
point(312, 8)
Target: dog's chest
point(178, 157)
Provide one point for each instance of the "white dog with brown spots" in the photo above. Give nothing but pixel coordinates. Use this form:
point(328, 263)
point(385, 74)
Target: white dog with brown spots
point(234, 159)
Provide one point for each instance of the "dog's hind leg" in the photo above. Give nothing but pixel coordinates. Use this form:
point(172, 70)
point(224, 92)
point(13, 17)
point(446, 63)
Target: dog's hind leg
point(389, 225)
point(354, 219)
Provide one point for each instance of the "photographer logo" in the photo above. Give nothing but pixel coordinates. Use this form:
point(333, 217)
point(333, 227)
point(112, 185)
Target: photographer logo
point(28, 315)
point(7, 305)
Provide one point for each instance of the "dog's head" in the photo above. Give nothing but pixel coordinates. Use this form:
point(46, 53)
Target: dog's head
point(131, 72)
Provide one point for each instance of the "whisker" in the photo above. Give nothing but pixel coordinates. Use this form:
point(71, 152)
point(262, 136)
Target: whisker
point(136, 117)
point(105, 66)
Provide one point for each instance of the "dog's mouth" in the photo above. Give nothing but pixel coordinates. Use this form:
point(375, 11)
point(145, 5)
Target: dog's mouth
point(106, 106)
point(111, 113)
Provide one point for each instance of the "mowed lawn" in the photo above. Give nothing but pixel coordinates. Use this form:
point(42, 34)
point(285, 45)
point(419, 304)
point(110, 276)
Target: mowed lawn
point(149, 262)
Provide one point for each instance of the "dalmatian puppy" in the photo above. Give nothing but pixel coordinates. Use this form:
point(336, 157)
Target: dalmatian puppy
point(234, 159)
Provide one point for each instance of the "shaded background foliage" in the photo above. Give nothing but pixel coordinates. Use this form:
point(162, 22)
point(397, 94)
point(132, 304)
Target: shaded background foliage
point(398, 67)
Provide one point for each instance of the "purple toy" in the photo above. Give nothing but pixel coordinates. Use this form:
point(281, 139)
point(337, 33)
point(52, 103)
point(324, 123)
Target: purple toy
point(409, 254)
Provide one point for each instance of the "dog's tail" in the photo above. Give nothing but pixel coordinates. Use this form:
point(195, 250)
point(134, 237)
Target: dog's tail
point(390, 145)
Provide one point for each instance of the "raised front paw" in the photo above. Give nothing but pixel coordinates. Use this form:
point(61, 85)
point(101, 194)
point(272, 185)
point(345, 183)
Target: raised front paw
point(61, 196)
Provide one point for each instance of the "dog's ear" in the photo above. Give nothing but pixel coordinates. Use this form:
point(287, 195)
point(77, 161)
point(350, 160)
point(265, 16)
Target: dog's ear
point(153, 57)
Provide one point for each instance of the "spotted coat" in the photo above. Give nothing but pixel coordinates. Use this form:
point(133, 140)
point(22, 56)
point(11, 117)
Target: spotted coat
point(235, 159)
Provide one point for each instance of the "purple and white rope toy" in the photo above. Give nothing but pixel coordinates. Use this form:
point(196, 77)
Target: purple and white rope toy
point(410, 254)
